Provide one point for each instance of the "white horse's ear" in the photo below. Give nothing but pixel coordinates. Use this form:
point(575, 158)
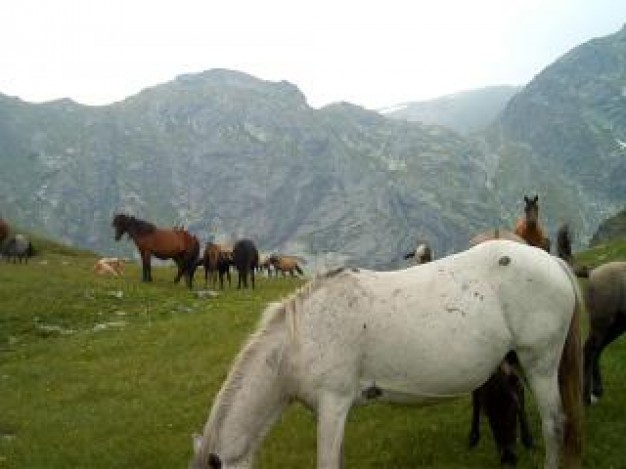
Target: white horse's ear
point(196, 440)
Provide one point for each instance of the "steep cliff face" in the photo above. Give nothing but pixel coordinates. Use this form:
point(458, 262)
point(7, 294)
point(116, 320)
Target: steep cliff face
point(229, 155)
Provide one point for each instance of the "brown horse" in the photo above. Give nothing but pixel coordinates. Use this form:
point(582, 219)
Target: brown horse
point(285, 264)
point(529, 228)
point(217, 260)
point(176, 244)
point(502, 397)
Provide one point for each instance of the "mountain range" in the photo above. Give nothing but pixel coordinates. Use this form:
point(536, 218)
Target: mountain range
point(229, 155)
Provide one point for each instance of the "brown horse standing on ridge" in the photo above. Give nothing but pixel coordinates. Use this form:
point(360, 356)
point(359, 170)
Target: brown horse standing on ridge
point(529, 228)
point(176, 244)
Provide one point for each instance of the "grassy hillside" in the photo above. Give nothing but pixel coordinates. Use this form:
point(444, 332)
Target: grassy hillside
point(101, 372)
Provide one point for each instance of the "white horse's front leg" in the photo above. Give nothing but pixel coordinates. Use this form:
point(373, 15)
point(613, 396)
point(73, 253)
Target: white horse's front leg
point(331, 418)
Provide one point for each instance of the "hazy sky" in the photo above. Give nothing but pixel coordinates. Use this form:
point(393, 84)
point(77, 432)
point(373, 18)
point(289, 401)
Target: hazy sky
point(371, 53)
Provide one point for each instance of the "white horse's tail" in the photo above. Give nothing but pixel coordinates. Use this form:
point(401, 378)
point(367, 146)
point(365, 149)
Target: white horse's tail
point(571, 382)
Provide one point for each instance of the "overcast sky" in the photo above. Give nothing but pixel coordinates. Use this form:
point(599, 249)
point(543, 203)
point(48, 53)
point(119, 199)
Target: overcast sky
point(371, 53)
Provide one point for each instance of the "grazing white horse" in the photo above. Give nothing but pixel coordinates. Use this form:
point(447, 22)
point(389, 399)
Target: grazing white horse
point(421, 334)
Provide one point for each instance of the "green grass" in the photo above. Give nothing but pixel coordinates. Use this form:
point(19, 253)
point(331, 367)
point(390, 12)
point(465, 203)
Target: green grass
point(99, 372)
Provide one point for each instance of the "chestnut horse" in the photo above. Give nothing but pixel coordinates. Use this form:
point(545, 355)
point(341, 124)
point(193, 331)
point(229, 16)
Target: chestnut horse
point(176, 244)
point(529, 228)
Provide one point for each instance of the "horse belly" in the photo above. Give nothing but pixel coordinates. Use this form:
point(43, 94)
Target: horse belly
point(441, 352)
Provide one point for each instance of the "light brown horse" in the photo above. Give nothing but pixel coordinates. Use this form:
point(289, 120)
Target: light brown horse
point(176, 244)
point(285, 264)
point(529, 228)
point(217, 260)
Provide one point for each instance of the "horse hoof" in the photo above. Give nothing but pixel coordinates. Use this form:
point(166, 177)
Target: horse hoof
point(473, 439)
point(594, 399)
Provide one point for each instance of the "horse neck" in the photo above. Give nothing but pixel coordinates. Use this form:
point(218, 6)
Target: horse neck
point(249, 403)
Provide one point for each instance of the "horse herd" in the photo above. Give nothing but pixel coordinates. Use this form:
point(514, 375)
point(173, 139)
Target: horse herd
point(184, 248)
point(490, 320)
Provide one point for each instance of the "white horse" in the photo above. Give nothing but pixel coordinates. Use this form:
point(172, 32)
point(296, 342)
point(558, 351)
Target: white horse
point(425, 333)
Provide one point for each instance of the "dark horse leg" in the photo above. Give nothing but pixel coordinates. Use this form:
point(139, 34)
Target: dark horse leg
point(145, 262)
point(594, 346)
point(524, 427)
point(474, 435)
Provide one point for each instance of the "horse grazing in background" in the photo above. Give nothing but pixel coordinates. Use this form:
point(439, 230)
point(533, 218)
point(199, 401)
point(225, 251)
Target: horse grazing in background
point(245, 260)
point(605, 299)
point(216, 260)
point(422, 334)
point(422, 254)
point(176, 244)
point(529, 228)
point(17, 248)
point(285, 264)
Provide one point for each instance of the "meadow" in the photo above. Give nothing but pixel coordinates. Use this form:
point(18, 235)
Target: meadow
point(101, 372)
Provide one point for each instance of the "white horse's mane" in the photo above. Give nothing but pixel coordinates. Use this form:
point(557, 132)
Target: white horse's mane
point(275, 316)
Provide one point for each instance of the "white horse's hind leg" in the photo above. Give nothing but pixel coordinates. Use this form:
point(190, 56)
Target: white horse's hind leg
point(546, 391)
point(331, 419)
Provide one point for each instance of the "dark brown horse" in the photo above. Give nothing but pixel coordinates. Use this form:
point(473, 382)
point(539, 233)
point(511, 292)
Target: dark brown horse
point(246, 261)
point(4, 231)
point(502, 400)
point(529, 228)
point(502, 397)
point(176, 244)
point(217, 260)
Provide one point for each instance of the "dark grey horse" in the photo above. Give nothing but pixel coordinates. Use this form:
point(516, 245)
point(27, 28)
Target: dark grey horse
point(17, 248)
point(606, 307)
point(245, 260)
